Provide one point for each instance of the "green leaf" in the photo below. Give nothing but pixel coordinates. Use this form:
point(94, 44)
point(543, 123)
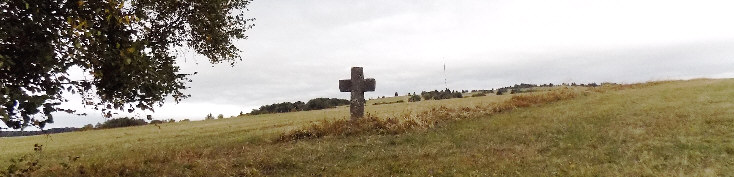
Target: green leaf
point(80, 25)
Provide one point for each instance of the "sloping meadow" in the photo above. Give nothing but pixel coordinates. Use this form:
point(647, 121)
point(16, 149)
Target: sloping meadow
point(561, 130)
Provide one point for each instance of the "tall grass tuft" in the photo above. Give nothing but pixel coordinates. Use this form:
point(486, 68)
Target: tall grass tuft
point(423, 120)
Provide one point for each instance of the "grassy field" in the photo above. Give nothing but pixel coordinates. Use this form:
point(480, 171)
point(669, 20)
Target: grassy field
point(662, 129)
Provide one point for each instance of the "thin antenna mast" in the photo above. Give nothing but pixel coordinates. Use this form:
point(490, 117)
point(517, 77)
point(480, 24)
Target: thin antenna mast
point(445, 81)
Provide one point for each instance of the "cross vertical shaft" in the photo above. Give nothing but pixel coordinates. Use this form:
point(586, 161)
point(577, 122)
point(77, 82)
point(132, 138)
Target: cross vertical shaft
point(356, 104)
point(357, 85)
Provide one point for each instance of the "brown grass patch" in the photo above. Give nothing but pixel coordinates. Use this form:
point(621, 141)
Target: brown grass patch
point(427, 119)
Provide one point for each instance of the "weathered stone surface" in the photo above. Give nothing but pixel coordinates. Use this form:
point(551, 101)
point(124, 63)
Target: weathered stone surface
point(345, 85)
point(369, 85)
point(357, 85)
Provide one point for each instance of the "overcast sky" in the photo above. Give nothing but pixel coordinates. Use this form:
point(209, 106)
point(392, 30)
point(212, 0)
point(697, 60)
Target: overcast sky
point(298, 49)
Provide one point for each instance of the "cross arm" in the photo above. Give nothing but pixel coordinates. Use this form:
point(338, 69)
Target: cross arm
point(345, 85)
point(369, 85)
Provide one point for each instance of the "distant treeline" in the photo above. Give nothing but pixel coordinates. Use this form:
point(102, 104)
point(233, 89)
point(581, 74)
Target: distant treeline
point(440, 95)
point(313, 104)
point(522, 87)
point(121, 122)
point(109, 123)
point(31, 133)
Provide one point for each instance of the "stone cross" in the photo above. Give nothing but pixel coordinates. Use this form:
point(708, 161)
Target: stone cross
point(357, 85)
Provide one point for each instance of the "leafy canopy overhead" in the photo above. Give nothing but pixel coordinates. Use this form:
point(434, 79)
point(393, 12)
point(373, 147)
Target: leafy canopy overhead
point(126, 46)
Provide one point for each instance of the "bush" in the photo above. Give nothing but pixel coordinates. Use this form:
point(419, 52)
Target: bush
point(122, 122)
point(220, 116)
point(514, 91)
point(209, 117)
point(478, 95)
point(414, 98)
point(156, 122)
point(88, 127)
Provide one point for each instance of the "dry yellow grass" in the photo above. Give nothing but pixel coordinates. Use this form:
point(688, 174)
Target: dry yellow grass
point(426, 119)
point(105, 146)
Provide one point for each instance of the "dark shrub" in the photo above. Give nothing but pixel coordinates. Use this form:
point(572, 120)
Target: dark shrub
point(414, 98)
point(478, 95)
point(427, 95)
point(439, 95)
point(323, 103)
point(88, 127)
point(514, 91)
point(122, 122)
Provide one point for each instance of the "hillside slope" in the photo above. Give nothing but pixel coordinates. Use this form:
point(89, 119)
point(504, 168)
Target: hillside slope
point(662, 129)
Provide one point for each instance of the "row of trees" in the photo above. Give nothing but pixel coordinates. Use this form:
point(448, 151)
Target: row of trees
point(116, 123)
point(126, 122)
point(313, 104)
point(440, 95)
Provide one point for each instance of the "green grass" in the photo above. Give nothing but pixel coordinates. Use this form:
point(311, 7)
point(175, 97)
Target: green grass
point(663, 129)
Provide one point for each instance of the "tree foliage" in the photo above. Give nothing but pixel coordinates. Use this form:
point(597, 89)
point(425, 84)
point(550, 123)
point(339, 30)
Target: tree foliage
point(122, 122)
point(414, 98)
point(440, 95)
point(313, 104)
point(125, 46)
